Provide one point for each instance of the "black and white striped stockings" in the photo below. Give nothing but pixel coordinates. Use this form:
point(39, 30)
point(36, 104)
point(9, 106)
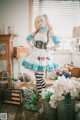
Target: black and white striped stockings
point(40, 82)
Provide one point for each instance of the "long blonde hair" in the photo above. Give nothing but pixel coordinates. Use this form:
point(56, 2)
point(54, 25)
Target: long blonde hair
point(47, 21)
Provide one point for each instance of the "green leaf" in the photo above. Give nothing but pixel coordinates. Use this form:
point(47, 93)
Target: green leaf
point(14, 79)
point(47, 97)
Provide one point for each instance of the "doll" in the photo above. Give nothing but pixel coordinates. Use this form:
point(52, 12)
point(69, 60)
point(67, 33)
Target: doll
point(39, 59)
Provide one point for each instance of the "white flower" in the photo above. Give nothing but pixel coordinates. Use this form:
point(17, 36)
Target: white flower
point(52, 104)
point(77, 107)
point(46, 91)
point(61, 88)
point(50, 89)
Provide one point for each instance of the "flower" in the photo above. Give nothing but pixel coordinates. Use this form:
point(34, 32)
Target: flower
point(62, 70)
point(47, 93)
point(64, 89)
point(59, 71)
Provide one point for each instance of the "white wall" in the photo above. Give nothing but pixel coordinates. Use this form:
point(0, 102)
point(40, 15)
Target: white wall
point(15, 13)
point(0, 14)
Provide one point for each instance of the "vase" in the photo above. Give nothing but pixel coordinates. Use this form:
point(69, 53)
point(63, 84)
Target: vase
point(50, 113)
point(66, 111)
point(67, 99)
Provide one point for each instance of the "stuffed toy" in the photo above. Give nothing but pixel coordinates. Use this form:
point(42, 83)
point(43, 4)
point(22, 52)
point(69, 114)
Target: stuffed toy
point(41, 41)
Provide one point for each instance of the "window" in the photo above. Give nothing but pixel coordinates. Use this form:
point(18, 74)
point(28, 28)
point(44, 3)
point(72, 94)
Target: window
point(63, 15)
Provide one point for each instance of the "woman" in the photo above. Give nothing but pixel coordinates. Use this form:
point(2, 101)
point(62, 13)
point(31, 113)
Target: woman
point(39, 59)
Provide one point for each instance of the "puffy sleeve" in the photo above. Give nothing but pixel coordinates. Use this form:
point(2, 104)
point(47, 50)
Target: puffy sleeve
point(29, 38)
point(54, 37)
point(55, 40)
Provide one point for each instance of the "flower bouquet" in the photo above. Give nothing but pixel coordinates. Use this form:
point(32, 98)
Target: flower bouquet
point(62, 70)
point(65, 93)
point(47, 93)
point(64, 99)
point(64, 89)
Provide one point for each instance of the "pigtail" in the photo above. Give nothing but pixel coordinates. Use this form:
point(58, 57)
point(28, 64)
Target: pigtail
point(47, 22)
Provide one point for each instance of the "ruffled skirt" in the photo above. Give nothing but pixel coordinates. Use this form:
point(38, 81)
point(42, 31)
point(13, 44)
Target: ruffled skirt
point(39, 60)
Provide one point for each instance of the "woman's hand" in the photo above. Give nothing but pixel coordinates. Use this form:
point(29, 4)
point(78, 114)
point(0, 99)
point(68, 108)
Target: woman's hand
point(49, 48)
point(31, 45)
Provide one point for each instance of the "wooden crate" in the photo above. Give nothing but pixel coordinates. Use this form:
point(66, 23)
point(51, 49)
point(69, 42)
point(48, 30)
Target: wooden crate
point(75, 71)
point(20, 52)
point(12, 96)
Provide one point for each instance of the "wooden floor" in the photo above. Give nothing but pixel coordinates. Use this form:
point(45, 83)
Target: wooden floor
point(15, 112)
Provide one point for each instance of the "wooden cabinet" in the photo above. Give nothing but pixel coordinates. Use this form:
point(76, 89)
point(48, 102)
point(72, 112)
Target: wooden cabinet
point(6, 49)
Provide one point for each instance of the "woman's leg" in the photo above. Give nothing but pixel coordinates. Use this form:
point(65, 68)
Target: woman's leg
point(40, 82)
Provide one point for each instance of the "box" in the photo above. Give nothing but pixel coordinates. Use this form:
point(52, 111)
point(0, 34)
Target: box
point(20, 52)
point(75, 71)
point(12, 96)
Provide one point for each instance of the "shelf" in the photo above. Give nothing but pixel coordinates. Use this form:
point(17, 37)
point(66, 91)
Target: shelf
point(65, 52)
point(6, 49)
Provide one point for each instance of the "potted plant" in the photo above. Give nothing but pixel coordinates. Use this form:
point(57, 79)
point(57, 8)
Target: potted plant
point(66, 91)
point(63, 99)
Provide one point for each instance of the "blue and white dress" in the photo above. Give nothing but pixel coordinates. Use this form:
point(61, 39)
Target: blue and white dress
point(40, 59)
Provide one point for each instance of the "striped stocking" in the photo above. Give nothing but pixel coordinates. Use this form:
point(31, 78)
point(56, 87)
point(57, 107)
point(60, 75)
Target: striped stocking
point(40, 83)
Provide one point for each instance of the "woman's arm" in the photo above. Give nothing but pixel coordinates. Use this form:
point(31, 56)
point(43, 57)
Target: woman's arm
point(30, 39)
point(55, 40)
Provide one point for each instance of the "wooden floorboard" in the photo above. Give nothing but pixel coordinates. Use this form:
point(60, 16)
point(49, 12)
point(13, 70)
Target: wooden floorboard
point(16, 112)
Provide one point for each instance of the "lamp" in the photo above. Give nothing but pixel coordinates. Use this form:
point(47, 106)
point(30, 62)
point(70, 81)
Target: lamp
point(76, 34)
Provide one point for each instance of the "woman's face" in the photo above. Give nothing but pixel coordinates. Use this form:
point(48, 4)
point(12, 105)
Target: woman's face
point(40, 22)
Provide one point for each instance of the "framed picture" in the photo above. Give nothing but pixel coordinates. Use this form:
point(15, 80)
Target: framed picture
point(2, 48)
